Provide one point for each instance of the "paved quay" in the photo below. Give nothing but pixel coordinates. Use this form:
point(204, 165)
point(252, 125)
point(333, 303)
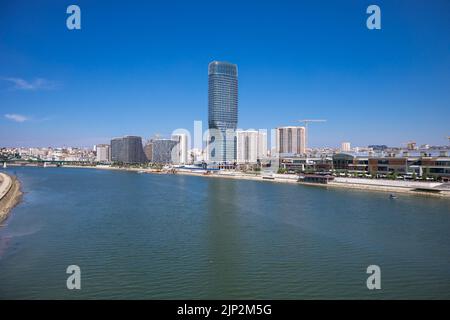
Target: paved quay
point(9, 195)
point(6, 184)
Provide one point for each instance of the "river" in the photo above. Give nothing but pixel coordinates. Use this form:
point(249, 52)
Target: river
point(148, 236)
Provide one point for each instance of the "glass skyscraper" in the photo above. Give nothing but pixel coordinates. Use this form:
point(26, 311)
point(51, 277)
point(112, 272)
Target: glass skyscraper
point(222, 111)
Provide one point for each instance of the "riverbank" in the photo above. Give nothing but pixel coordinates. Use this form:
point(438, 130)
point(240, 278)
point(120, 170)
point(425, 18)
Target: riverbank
point(432, 189)
point(10, 195)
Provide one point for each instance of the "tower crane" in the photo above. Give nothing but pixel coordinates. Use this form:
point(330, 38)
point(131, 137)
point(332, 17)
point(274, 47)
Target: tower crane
point(306, 121)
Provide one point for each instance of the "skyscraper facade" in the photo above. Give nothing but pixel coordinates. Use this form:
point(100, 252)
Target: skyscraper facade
point(291, 140)
point(222, 111)
point(127, 149)
point(162, 151)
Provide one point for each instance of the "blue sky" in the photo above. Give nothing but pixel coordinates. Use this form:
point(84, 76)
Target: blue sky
point(140, 67)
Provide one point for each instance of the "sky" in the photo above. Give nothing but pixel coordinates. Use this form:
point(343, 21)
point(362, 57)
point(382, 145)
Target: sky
point(140, 68)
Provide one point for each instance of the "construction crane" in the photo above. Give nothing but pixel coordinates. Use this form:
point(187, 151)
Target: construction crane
point(306, 121)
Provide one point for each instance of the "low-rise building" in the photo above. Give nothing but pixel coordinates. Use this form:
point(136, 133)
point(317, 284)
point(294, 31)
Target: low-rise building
point(404, 164)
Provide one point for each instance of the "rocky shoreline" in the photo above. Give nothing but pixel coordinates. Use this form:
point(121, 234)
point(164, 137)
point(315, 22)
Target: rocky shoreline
point(10, 197)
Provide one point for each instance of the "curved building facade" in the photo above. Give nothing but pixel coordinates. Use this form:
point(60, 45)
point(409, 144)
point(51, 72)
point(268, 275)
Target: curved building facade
point(222, 111)
point(127, 149)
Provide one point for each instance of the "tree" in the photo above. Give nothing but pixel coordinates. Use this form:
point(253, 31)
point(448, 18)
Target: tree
point(392, 175)
point(425, 173)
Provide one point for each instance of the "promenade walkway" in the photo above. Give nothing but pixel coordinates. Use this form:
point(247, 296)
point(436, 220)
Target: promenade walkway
point(6, 184)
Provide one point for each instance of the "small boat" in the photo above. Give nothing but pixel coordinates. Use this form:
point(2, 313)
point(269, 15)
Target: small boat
point(392, 196)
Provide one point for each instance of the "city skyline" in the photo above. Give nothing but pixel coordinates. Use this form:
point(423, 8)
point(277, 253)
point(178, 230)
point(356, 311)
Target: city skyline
point(217, 159)
point(371, 86)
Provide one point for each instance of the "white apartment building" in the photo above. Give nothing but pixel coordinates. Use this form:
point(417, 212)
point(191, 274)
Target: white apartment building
point(103, 153)
point(180, 151)
point(251, 145)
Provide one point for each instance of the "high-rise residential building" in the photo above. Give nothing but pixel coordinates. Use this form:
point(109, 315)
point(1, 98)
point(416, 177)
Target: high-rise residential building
point(251, 145)
point(262, 144)
point(290, 140)
point(411, 145)
point(162, 150)
point(148, 151)
point(222, 111)
point(181, 149)
point(127, 149)
point(103, 153)
point(345, 147)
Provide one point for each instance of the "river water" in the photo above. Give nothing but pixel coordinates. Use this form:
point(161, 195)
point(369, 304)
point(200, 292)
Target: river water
point(144, 236)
